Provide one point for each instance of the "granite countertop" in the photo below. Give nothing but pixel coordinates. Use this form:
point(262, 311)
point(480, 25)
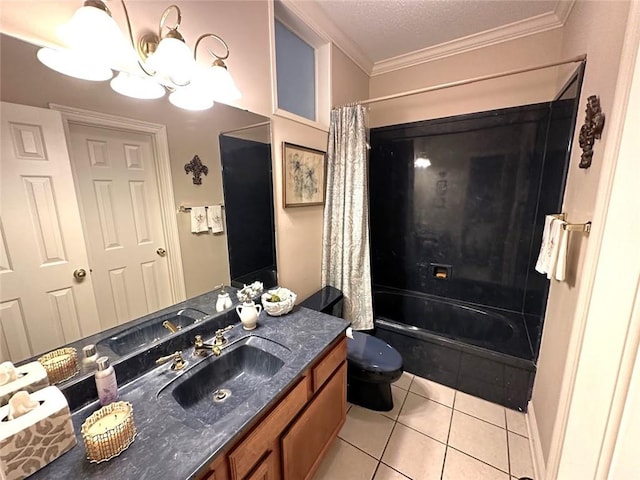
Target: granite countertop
point(170, 442)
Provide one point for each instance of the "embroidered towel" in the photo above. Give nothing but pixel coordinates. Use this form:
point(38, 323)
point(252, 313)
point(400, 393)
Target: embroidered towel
point(543, 265)
point(561, 262)
point(214, 218)
point(198, 220)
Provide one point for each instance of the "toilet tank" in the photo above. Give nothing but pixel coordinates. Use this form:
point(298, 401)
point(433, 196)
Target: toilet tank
point(327, 300)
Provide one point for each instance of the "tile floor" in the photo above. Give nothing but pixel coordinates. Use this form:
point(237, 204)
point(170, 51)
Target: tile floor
point(433, 433)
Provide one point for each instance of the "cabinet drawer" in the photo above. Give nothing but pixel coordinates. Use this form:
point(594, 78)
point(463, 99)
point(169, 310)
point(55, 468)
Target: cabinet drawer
point(304, 445)
point(267, 469)
point(325, 367)
point(243, 458)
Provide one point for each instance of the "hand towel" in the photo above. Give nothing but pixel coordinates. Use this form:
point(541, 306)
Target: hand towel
point(214, 218)
point(20, 404)
point(8, 373)
point(198, 220)
point(543, 265)
point(561, 262)
point(554, 240)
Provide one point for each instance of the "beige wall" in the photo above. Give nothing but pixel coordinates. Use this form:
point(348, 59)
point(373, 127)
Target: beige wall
point(298, 229)
point(584, 32)
point(505, 92)
point(204, 256)
point(348, 82)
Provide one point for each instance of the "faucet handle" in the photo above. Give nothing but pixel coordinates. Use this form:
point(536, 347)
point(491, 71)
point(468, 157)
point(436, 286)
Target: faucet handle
point(178, 360)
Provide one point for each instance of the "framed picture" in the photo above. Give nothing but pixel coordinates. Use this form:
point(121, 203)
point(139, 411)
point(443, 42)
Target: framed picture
point(304, 171)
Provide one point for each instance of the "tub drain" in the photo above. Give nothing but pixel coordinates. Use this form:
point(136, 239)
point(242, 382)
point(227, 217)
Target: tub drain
point(221, 395)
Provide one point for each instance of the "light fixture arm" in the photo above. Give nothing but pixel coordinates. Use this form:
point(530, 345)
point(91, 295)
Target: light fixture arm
point(215, 37)
point(163, 19)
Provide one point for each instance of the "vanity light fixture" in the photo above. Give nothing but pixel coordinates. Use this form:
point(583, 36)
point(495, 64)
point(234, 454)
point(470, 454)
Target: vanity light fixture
point(158, 62)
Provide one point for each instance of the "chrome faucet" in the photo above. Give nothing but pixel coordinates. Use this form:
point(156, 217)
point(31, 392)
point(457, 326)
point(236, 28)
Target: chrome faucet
point(170, 326)
point(178, 361)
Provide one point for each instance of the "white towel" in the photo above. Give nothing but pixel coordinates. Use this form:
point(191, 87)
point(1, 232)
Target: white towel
point(561, 262)
point(214, 218)
point(8, 373)
point(544, 263)
point(198, 220)
point(20, 404)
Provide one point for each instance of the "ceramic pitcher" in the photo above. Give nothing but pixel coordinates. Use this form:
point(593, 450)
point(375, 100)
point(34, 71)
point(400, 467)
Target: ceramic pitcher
point(248, 313)
point(223, 302)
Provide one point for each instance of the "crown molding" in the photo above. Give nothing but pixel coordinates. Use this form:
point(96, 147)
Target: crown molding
point(316, 19)
point(563, 9)
point(530, 26)
point(312, 15)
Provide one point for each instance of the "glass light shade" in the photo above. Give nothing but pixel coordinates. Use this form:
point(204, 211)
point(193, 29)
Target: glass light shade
point(134, 86)
point(74, 64)
point(191, 98)
point(222, 87)
point(95, 32)
point(172, 61)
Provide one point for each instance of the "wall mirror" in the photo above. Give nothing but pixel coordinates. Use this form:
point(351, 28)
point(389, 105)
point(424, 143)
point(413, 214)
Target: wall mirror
point(109, 217)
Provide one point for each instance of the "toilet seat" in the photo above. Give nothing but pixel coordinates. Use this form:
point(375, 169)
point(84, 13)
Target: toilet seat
point(372, 354)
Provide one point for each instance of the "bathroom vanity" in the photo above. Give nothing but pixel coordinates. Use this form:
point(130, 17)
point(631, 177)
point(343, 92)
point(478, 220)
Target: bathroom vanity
point(287, 402)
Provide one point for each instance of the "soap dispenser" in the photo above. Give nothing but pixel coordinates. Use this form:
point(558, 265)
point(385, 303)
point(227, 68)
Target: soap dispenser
point(106, 382)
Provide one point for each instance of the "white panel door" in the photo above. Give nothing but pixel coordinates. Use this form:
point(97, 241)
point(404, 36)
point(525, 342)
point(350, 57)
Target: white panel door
point(118, 192)
point(42, 305)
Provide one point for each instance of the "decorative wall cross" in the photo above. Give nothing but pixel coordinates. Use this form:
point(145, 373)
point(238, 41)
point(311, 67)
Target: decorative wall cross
point(196, 166)
point(591, 130)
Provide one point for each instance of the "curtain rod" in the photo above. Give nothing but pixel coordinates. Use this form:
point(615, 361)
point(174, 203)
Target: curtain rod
point(579, 58)
point(255, 125)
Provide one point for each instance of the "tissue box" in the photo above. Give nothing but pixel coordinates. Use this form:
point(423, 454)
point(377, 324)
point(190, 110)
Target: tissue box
point(31, 378)
point(36, 438)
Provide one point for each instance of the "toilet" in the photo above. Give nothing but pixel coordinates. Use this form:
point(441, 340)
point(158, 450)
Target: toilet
point(372, 364)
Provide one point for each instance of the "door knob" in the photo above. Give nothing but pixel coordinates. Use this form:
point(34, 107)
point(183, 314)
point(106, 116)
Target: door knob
point(161, 251)
point(79, 274)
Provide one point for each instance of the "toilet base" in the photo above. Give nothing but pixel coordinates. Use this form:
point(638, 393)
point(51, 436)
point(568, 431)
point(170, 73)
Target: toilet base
point(374, 396)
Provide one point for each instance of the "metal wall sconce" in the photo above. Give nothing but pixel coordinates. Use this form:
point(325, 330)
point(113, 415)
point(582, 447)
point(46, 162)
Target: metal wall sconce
point(157, 63)
point(591, 130)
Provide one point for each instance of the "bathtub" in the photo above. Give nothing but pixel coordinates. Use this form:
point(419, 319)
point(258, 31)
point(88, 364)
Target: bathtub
point(479, 350)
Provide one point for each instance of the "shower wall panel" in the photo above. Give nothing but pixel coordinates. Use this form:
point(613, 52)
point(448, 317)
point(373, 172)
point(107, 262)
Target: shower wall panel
point(458, 204)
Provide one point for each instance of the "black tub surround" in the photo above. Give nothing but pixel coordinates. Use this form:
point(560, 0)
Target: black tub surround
point(476, 349)
point(172, 443)
point(457, 212)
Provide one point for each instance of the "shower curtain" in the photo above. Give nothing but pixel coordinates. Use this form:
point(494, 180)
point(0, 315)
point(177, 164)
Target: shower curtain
point(345, 252)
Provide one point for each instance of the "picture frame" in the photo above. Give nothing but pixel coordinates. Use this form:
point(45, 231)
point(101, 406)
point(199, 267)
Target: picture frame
point(304, 175)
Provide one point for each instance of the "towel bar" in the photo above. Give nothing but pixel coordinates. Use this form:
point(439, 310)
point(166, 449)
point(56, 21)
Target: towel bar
point(577, 227)
point(184, 209)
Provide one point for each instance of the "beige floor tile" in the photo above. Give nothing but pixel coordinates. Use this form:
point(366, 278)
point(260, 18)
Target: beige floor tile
point(387, 473)
point(434, 391)
point(404, 381)
point(367, 430)
point(414, 454)
point(487, 411)
point(520, 456)
point(398, 395)
point(517, 422)
point(426, 416)
point(345, 461)
point(458, 466)
point(479, 439)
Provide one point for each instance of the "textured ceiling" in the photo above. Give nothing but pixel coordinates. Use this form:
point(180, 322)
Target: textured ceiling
point(384, 29)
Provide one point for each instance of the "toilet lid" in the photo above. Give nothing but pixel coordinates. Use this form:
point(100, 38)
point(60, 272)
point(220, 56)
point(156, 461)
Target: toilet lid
point(371, 353)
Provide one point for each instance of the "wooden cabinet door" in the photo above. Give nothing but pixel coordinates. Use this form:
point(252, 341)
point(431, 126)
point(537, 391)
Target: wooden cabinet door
point(267, 469)
point(308, 439)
